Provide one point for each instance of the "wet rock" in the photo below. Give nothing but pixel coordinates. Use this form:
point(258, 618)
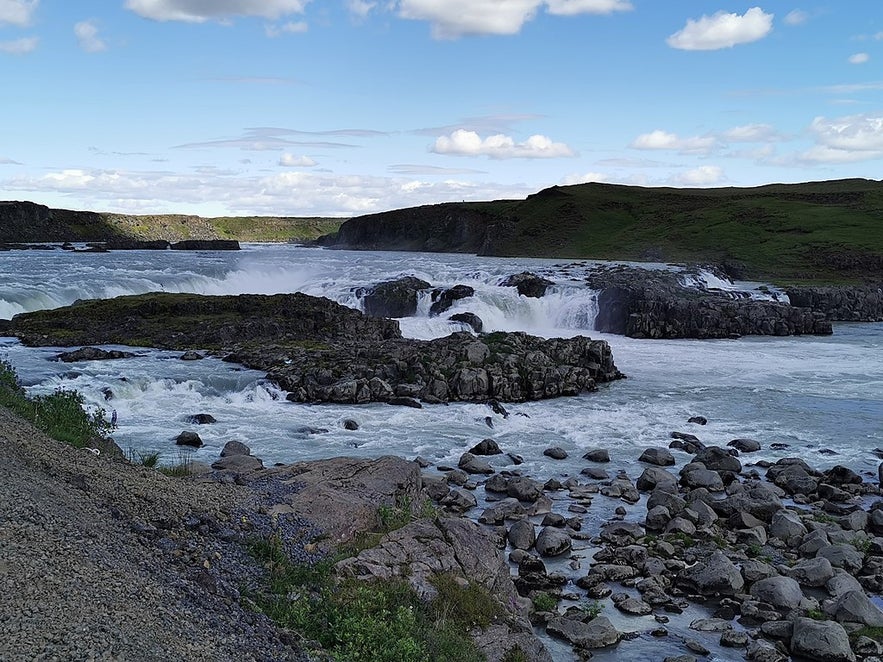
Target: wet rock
point(528, 284)
point(840, 475)
point(711, 625)
point(695, 475)
point(595, 473)
point(350, 424)
point(629, 605)
point(188, 438)
point(733, 639)
point(235, 448)
point(404, 401)
point(521, 535)
point(501, 511)
point(787, 526)
point(780, 592)
point(394, 298)
point(486, 447)
point(442, 299)
point(754, 497)
point(603, 455)
point(842, 582)
point(656, 477)
point(524, 489)
point(556, 453)
point(714, 575)
point(698, 420)
point(855, 607)
point(201, 419)
point(552, 542)
point(597, 633)
point(844, 556)
point(823, 641)
point(660, 457)
point(459, 501)
point(473, 465)
point(657, 518)
point(471, 319)
point(718, 459)
point(92, 354)
point(744, 445)
point(190, 355)
point(812, 572)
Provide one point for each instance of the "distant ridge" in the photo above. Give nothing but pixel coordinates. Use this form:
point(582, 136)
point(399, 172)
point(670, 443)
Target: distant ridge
point(31, 222)
point(825, 231)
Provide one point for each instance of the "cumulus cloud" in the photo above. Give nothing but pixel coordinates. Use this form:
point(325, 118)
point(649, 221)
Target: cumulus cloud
point(19, 46)
point(292, 161)
point(454, 18)
point(722, 30)
point(200, 11)
point(796, 17)
point(360, 8)
point(858, 133)
point(500, 146)
point(859, 58)
point(17, 12)
point(87, 37)
point(707, 175)
point(659, 139)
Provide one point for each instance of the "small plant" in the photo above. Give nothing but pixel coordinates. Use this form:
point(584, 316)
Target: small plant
point(875, 633)
point(824, 518)
point(183, 467)
point(817, 615)
point(593, 608)
point(149, 460)
point(543, 601)
point(515, 654)
point(861, 544)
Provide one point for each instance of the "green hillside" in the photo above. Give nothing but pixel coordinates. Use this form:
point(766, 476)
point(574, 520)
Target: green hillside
point(829, 231)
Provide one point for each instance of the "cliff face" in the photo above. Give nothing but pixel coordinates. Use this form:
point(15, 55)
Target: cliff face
point(30, 222)
point(446, 228)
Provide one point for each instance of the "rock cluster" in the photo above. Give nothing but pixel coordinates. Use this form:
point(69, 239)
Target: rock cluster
point(857, 303)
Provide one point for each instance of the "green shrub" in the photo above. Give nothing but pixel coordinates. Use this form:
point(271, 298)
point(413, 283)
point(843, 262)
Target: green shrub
point(60, 414)
point(544, 601)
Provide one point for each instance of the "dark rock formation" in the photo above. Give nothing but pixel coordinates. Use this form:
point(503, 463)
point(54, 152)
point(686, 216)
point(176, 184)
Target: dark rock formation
point(528, 284)
point(471, 319)
point(93, 354)
point(444, 299)
point(206, 245)
point(321, 351)
point(861, 303)
point(655, 304)
point(393, 298)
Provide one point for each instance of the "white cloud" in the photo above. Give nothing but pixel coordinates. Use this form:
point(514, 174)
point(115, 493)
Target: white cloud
point(360, 8)
point(820, 155)
point(19, 46)
point(585, 178)
point(859, 58)
point(17, 12)
point(292, 161)
point(293, 193)
point(664, 140)
point(702, 176)
point(750, 133)
point(454, 18)
point(199, 11)
point(722, 30)
point(573, 7)
point(853, 132)
point(292, 27)
point(499, 146)
point(87, 36)
point(796, 17)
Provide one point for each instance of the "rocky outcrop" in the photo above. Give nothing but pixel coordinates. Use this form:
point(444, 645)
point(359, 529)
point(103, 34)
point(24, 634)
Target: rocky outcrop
point(393, 298)
point(640, 303)
point(859, 303)
point(205, 245)
point(528, 284)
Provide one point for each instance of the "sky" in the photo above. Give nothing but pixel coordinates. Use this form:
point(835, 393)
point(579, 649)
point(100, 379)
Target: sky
point(347, 107)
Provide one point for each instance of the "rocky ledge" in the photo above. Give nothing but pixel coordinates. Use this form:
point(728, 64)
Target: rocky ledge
point(321, 351)
point(641, 303)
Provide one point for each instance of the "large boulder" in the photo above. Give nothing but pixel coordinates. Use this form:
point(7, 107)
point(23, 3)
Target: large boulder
point(716, 575)
point(718, 459)
point(528, 284)
point(393, 298)
point(444, 299)
point(552, 542)
point(597, 633)
point(822, 641)
point(780, 592)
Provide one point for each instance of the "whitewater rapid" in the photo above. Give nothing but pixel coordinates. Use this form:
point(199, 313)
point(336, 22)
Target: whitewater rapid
point(822, 396)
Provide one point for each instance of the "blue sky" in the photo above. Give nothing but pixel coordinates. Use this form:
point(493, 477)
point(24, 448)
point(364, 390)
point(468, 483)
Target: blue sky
point(343, 107)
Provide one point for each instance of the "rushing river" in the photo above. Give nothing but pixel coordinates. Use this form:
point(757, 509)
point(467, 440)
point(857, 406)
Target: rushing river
point(822, 397)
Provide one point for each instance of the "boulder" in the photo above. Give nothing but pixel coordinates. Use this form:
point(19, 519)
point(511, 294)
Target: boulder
point(694, 475)
point(470, 319)
point(473, 465)
point(201, 419)
point(556, 453)
point(191, 355)
point(842, 555)
point(781, 592)
point(822, 641)
point(597, 633)
point(235, 448)
point(603, 455)
point(660, 457)
point(524, 488)
point(521, 534)
point(528, 284)
point(442, 299)
point(716, 575)
point(745, 445)
point(486, 447)
point(812, 572)
point(393, 298)
point(239, 463)
point(350, 424)
point(188, 438)
point(92, 354)
point(787, 526)
point(656, 477)
point(718, 459)
point(855, 607)
point(552, 542)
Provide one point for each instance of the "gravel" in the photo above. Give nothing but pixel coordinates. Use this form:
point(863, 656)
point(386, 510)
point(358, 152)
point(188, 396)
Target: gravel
point(102, 560)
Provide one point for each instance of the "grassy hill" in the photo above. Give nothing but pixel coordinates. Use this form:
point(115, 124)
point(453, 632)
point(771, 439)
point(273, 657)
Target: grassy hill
point(831, 231)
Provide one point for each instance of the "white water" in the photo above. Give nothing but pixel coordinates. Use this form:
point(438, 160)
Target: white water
point(813, 393)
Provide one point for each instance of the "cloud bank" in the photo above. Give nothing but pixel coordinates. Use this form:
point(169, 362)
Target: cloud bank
point(722, 30)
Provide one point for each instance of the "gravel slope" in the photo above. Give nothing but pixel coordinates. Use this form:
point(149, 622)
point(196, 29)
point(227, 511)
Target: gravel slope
point(100, 560)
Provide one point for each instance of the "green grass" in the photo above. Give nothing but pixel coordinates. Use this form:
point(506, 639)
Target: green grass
point(543, 601)
point(60, 414)
point(875, 633)
point(353, 621)
point(812, 232)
